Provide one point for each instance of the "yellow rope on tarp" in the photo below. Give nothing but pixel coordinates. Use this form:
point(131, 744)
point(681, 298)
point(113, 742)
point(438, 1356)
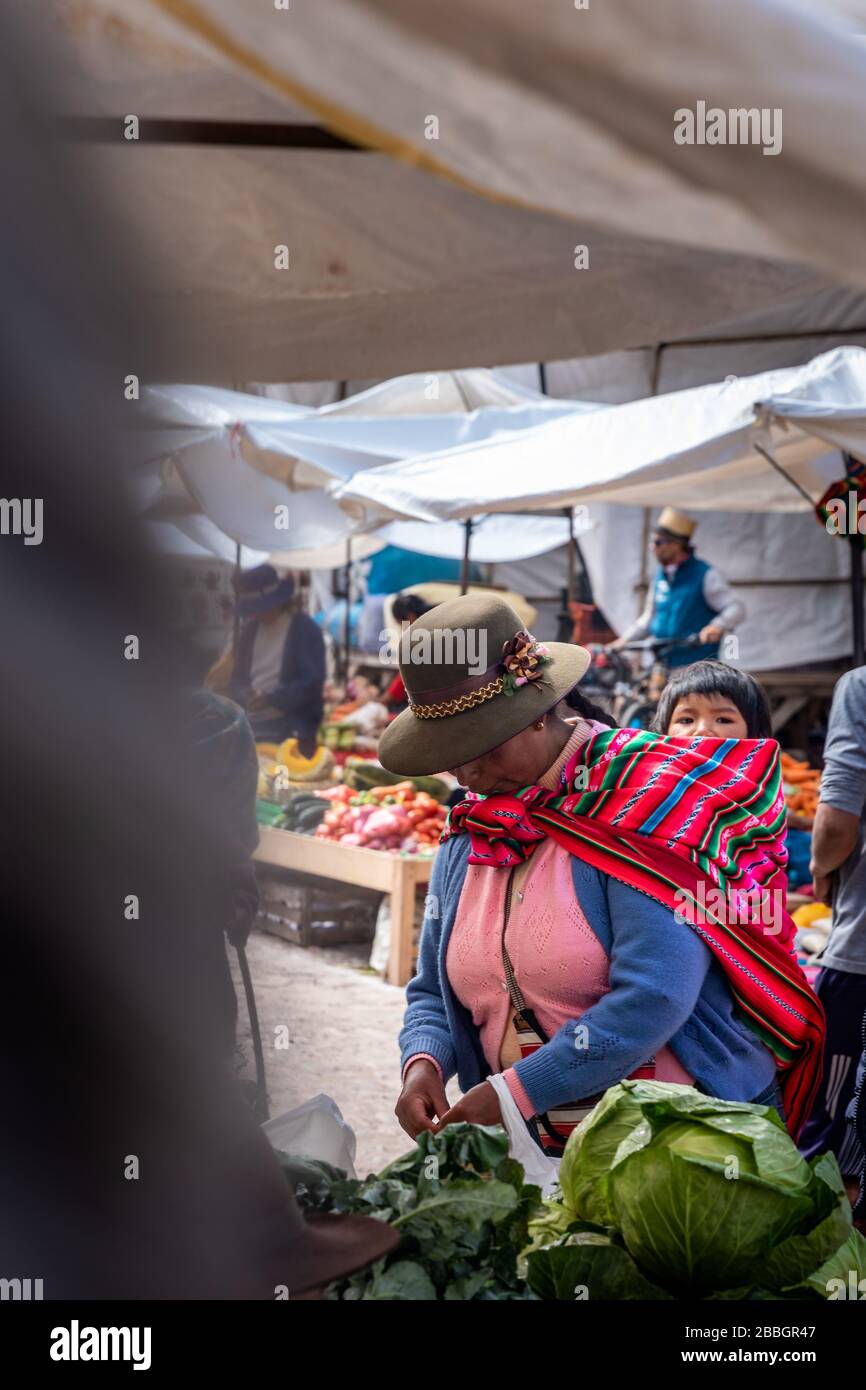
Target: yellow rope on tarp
point(338, 119)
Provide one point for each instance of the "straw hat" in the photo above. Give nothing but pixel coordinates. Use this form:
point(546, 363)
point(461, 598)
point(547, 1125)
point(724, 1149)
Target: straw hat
point(677, 523)
point(474, 677)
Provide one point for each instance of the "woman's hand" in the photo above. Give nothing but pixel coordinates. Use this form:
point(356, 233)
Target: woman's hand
point(480, 1106)
point(421, 1099)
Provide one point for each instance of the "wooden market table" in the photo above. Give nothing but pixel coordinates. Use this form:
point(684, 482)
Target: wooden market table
point(395, 874)
point(791, 689)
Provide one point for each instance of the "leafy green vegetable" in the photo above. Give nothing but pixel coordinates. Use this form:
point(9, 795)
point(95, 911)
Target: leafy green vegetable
point(665, 1193)
point(591, 1150)
point(461, 1207)
point(791, 1263)
point(692, 1227)
point(552, 1222)
point(846, 1266)
point(313, 1181)
point(404, 1280)
point(705, 1195)
point(594, 1269)
point(711, 1190)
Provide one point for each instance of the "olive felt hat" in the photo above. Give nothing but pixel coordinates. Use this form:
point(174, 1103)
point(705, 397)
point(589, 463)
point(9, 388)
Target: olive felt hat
point(475, 678)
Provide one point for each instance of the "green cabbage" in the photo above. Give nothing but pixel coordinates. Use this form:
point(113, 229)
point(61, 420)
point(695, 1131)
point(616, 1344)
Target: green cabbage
point(591, 1150)
point(705, 1194)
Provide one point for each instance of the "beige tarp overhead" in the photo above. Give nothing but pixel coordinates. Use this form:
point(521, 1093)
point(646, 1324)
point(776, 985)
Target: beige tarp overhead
point(555, 129)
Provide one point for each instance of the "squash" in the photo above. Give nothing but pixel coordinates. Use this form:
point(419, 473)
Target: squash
point(303, 769)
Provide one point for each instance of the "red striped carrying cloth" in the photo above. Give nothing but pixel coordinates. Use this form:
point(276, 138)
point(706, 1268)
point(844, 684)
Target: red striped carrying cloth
point(698, 825)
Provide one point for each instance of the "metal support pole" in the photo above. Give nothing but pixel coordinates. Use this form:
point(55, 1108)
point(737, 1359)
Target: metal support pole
point(569, 512)
point(236, 617)
point(262, 1111)
point(347, 623)
point(857, 617)
point(464, 568)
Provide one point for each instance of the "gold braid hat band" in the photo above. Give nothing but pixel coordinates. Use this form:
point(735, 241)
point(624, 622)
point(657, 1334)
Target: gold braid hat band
point(461, 702)
point(521, 663)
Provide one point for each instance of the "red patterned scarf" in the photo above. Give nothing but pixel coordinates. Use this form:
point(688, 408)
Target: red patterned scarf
point(698, 825)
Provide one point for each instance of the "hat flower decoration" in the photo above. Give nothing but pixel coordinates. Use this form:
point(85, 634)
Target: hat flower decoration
point(523, 660)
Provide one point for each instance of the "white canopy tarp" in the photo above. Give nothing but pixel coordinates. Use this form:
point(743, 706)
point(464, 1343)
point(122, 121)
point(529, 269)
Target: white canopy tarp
point(494, 539)
point(258, 471)
point(693, 449)
point(697, 444)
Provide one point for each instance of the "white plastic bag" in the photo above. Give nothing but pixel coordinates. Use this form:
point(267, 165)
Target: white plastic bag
point(537, 1167)
point(315, 1129)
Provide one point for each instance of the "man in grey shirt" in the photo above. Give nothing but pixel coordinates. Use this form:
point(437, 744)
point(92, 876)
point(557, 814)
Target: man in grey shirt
point(839, 876)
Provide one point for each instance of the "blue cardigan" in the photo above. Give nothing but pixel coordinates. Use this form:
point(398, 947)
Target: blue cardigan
point(665, 987)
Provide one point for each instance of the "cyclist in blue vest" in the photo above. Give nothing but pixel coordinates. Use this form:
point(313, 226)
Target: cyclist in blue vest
point(687, 596)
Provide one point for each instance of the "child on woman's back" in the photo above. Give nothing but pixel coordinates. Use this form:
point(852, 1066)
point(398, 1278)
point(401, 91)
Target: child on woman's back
point(712, 700)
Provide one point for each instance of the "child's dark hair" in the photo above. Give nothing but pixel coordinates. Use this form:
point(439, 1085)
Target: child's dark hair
point(406, 607)
point(716, 678)
point(581, 704)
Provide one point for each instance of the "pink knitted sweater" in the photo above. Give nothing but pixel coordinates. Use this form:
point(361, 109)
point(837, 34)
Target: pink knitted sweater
point(559, 962)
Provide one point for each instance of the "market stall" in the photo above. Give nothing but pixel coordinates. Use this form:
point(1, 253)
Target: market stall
point(341, 818)
point(217, 464)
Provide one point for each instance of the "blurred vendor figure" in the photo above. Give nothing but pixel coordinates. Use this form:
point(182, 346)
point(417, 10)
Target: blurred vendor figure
point(687, 596)
point(404, 610)
point(277, 673)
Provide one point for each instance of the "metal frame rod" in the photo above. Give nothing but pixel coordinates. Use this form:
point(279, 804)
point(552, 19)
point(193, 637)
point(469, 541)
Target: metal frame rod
point(159, 130)
point(858, 620)
point(236, 616)
point(464, 568)
point(572, 554)
point(858, 630)
point(765, 453)
point(347, 623)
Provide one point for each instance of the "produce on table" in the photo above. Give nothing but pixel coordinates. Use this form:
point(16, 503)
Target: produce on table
point(303, 813)
point(303, 769)
point(802, 787)
point(363, 773)
point(268, 812)
point(390, 818)
point(358, 693)
point(665, 1194)
point(369, 718)
point(283, 767)
point(670, 1193)
point(338, 736)
point(460, 1204)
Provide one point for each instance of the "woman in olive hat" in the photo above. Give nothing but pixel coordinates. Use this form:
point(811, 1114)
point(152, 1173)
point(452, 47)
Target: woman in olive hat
point(553, 948)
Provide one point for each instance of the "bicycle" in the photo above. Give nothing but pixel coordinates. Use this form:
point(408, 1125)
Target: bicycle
point(633, 697)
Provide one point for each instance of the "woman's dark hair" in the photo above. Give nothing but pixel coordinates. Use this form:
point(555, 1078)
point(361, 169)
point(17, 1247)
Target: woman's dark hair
point(582, 705)
point(407, 607)
point(716, 678)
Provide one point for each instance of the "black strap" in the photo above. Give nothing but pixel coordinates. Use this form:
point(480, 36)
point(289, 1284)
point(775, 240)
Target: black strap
point(521, 1008)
